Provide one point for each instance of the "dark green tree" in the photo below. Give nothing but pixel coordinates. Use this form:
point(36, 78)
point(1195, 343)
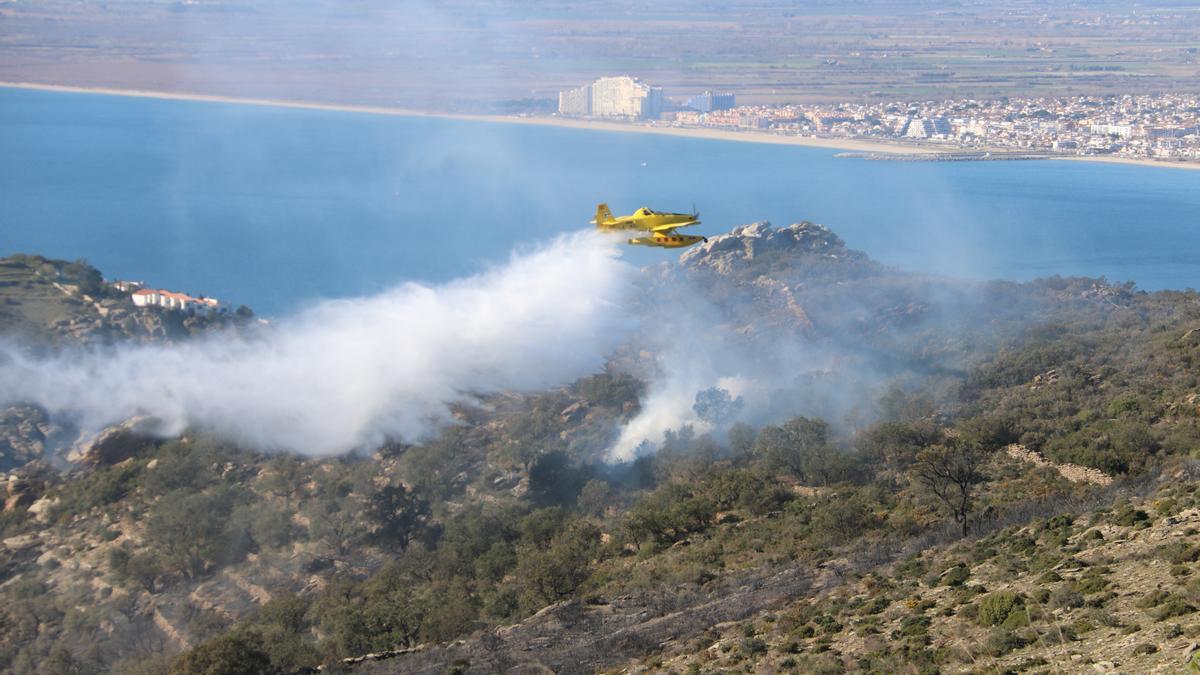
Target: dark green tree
point(236, 653)
point(552, 574)
point(396, 515)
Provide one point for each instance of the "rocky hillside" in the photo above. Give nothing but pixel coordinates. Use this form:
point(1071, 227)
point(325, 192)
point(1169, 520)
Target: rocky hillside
point(1021, 454)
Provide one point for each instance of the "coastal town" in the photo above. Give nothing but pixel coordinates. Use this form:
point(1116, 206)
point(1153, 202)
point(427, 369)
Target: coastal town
point(1159, 127)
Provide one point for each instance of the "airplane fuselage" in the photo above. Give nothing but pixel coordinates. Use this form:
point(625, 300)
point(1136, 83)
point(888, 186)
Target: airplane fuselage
point(644, 219)
point(658, 226)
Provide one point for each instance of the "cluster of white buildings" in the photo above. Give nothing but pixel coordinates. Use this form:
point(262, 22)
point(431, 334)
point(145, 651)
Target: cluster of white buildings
point(1151, 126)
point(150, 297)
point(622, 97)
point(625, 97)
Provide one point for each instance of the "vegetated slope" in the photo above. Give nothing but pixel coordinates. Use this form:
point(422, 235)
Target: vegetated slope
point(509, 532)
point(1107, 589)
point(1113, 589)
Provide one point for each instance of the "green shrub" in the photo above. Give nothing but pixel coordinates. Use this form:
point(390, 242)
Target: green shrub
point(1178, 553)
point(1131, 517)
point(1172, 608)
point(1050, 577)
point(1018, 618)
point(752, 647)
point(875, 605)
point(994, 608)
point(956, 576)
point(1153, 599)
point(1083, 626)
point(828, 624)
point(1091, 582)
point(914, 625)
point(1001, 642)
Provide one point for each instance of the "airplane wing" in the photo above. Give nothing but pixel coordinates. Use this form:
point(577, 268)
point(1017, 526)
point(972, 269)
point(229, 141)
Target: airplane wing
point(667, 228)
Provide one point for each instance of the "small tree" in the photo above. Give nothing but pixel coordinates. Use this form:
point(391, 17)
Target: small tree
point(717, 407)
point(397, 515)
point(951, 472)
point(230, 654)
point(551, 574)
point(595, 497)
point(741, 439)
point(190, 530)
point(336, 522)
point(553, 480)
point(791, 446)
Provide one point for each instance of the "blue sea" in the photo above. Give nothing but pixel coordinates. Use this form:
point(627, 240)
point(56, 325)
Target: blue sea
point(276, 207)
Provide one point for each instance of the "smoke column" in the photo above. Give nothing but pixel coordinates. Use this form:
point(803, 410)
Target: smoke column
point(350, 373)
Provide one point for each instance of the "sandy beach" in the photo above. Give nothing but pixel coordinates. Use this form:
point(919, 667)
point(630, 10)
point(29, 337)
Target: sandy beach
point(1160, 163)
point(847, 144)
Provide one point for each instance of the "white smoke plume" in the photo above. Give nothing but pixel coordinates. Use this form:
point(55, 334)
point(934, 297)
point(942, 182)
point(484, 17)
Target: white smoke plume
point(351, 373)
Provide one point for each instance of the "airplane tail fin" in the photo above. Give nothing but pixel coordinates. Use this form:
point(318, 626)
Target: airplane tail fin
point(603, 215)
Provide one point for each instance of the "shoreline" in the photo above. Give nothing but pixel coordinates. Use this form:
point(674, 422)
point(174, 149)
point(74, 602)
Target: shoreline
point(587, 125)
point(762, 137)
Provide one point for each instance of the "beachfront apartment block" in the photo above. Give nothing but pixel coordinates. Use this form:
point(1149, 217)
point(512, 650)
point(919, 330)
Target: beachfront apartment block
point(621, 96)
point(708, 102)
point(576, 102)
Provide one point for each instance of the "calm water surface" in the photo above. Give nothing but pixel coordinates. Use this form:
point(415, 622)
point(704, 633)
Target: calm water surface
point(276, 207)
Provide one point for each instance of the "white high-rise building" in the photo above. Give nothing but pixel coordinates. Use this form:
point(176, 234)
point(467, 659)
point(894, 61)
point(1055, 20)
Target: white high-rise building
point(621, 96)
point(575, 101)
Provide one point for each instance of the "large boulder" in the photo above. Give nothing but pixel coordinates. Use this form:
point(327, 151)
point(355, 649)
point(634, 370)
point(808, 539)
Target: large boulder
point(116, 443)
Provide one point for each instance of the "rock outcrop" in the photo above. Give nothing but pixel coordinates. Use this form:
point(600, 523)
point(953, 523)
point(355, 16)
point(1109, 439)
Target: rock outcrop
point(763, 248)
point(116, 443)
point(24, 432)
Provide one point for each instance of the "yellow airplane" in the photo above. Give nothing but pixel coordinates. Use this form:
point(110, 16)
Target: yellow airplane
point(661, 226)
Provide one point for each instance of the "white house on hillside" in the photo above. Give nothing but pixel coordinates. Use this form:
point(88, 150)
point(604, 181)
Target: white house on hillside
point(149, 297)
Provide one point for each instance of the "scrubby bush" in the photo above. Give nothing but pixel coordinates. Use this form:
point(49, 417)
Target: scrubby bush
point(1178, 553)
point(1173, 608)
point(611, 390)
point(1131, 518)
point(956, 576)
point(995, 608)
point(1001, 642)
